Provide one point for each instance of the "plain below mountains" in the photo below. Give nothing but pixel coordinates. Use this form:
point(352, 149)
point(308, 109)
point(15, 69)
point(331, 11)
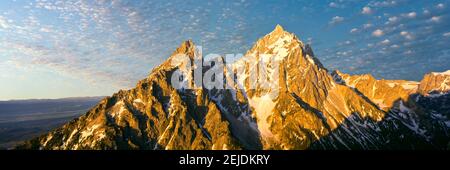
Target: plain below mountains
point(24, 119)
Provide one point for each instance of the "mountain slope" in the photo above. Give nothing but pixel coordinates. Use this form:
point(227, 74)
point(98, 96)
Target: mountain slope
point(278, 96)
point(421, 107)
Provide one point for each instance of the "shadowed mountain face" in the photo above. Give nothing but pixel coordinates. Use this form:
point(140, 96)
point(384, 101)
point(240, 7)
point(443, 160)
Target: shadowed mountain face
point(23, 119)
point(304, 107)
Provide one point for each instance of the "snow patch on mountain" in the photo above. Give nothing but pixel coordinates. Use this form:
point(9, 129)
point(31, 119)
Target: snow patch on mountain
point(263, 106)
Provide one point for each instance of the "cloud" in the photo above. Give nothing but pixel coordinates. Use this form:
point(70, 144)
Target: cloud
point(333, 5)
point(385, 42)
point(407, 35)
point(366, 10)
point(336, 20)
point(393, 19)
point(368, 25)
point(3, 23)
point(354, 30)
point(378, 33)
point(440, 6)
point(339, 4)
point(410, 15)
point(435, 19)
point(395, 46)
point(386, 3)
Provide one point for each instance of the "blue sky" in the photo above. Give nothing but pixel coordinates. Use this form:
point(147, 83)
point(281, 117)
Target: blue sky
point(53, 49)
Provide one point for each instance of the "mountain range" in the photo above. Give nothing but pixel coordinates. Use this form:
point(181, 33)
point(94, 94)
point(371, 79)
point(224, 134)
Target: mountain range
point(305, 106)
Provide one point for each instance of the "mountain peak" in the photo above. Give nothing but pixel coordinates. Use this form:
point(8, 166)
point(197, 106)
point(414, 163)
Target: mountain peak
point(185, 46)
point(278, 31)
point(278, 28)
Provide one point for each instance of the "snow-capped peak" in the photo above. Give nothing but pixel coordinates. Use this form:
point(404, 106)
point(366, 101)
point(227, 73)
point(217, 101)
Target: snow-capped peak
point(278, 29)
point(277, 43)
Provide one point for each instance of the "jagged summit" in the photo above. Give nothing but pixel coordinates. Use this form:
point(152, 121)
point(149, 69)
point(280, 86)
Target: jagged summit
point(278, 29)
point(185, 47)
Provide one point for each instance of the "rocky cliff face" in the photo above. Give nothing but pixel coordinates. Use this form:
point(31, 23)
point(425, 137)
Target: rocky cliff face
point(435, 83)
point(292, 103)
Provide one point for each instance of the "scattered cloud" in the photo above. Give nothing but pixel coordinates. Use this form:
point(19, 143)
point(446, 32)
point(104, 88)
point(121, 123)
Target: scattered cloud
point(378, 33)
point(336, 19)
point(410, 15)
point(3, 23)
point(395, 46)
point(333, 5)
point(407, 35)
point(393, 19)
point(385, 3)
point(385, 42)
point(435, 19)
point(368, 25)
point(366, 10)
point(115, 43)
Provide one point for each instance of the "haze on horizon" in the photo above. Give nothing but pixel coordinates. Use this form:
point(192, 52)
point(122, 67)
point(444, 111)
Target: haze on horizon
point(56, 49)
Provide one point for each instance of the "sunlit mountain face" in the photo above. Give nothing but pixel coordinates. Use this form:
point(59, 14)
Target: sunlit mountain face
point(230, 75)
point(276, 96)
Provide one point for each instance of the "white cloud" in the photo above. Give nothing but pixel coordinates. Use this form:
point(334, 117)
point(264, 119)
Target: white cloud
point(385, 42)
point(44, 29)
point(333, 5)
point(336, 19)
point(407, 35)
point(440, 6)
point(386, 3)
point(395, 46)
point(378, 33)
point(3, 23)
point(354, 30)
point(393, 19)
point(411, 15)
point(435, 19)
point(365, 26)
point(366, 10)
point(408, 52)
point(447, 34)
